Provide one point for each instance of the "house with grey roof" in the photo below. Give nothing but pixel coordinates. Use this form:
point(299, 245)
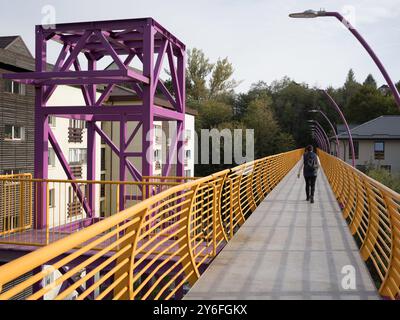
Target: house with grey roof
point(376, 143)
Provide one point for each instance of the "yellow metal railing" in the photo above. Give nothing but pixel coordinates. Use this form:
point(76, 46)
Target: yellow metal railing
point(373, 213)
point(15, 204)
point(152, 250)
point(65, 209)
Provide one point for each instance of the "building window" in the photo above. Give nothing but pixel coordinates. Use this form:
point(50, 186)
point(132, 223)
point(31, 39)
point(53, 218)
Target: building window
point(102, 209)
point(12, 171)
point(157, 134)
point(15, 87)
point(188, 154)
point(52, 198)
point(157, 155)
point(77, 124)
point(77, 155)
point(102, 186)
point(188, 135)
point(379, 150)
point(52, 121)
point(15, 133)
point(356, 150)
point(52, 157)
point(103, 159)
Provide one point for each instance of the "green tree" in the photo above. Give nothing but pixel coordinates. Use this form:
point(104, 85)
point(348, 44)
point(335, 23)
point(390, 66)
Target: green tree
point(220, 81)
point(370, 81)
point(197, 71)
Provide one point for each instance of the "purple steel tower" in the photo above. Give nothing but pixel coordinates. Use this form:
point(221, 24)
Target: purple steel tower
point(87, 43)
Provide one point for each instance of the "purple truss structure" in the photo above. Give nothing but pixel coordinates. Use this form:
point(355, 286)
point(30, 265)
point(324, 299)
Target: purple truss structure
point(122, 41)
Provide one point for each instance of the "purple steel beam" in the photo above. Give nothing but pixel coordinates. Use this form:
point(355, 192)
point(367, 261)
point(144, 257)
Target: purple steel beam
point(91, 144)
point(68, 172)
point(84, 76)
point(158, 66)
point(148, 101)
point(135, 110)
point(174, 77)
point(122, 161)
point(181, 68)
point(41, 134)
point(115, 149)
point(132, 136)
point(339, 111)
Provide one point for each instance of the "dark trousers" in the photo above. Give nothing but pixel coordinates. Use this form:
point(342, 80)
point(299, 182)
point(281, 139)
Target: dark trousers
point(310, 186)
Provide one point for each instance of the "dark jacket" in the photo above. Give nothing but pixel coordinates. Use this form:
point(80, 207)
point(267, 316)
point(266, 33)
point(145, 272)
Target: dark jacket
point(310, 170)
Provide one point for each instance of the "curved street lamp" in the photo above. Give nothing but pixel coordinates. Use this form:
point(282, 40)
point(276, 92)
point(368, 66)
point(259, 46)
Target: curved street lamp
point(332, 127)
point(347, 24)
point(317, 138)
point(323, 133)
point(320, 136)
point(339, 111)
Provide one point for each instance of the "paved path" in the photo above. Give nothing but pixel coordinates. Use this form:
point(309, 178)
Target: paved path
point(288, 249)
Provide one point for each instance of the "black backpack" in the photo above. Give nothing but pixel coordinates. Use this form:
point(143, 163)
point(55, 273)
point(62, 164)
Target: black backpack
point(310, 162)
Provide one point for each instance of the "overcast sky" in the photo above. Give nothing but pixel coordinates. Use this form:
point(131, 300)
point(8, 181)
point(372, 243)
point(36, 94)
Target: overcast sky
point(256, 35)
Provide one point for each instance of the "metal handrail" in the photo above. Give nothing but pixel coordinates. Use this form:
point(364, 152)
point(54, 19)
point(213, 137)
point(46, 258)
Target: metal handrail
point(372, 212)
point(152, 250)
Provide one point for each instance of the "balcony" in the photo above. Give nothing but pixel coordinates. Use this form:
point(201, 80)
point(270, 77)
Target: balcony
point(75, 135)
point(76, 169)
point(74, 209)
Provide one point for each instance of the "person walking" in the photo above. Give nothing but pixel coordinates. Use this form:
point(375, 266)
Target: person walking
point(310, 167)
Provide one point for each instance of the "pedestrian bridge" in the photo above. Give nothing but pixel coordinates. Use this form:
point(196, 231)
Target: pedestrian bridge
point(244, 233)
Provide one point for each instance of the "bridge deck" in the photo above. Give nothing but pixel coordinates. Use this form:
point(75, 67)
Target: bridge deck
point(288, 249)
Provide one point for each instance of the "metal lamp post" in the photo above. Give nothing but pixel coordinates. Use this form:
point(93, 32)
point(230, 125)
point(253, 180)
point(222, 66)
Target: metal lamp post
point(347, 24)
point(320, 136)
point(323, 133)
point(317, 138)
point(339, 111)
point(331, 125)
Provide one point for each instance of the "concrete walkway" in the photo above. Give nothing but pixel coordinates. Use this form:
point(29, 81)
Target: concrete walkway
point(288, 249)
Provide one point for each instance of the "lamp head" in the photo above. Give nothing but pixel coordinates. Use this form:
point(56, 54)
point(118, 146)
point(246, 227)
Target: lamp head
point(307, 14)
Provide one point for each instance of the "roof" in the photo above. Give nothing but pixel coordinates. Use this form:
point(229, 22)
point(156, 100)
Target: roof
point(383, 127)
point(6, 41)
point(342, 128)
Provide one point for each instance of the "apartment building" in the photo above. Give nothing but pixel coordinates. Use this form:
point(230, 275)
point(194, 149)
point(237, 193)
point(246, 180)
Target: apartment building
point(376, 143)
